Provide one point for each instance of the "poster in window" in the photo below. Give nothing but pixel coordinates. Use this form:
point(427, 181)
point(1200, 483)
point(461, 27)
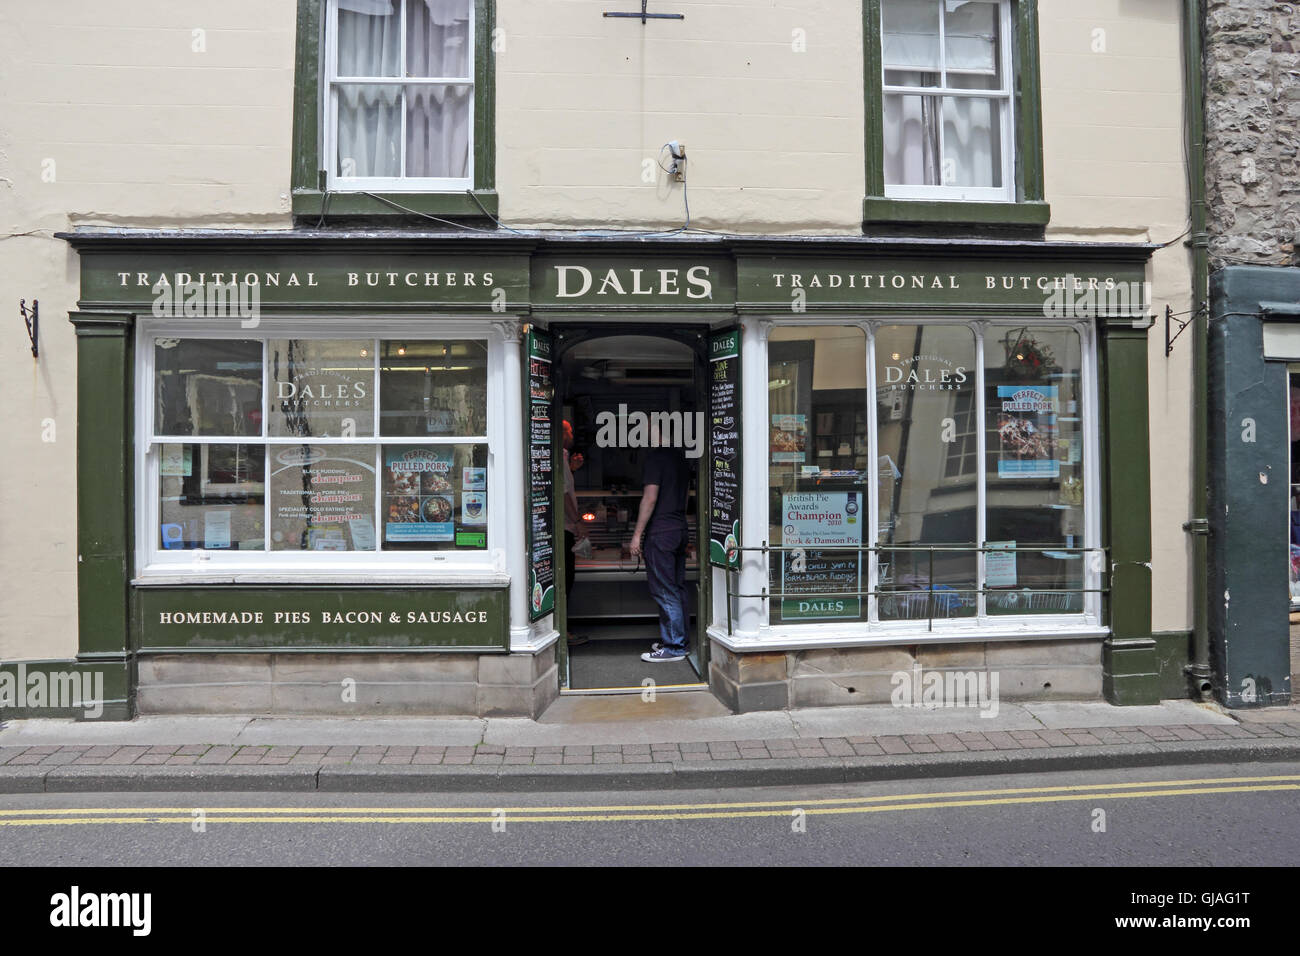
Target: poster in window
point(826, 530)
point(323, 498)
point(789, 438)
point(177, 461)
point(419, 496)
point(1000, 564)
point(1027, 431)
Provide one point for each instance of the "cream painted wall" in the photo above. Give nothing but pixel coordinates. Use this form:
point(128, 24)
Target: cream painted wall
point(1114, 168)
point(111, 117)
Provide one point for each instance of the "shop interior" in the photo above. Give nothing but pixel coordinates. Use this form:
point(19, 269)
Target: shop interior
point(603, 382)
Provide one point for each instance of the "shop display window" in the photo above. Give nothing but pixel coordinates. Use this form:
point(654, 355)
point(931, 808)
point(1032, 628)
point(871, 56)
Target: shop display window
point(961, 495)
point(315, 445)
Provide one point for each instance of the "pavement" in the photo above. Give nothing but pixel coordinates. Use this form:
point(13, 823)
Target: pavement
point(678, 741)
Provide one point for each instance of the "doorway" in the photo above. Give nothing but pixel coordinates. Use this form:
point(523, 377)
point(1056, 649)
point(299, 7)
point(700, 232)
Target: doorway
point(609, 381)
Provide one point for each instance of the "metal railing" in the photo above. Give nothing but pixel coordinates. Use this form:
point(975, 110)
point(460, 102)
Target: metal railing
point(1047, 599)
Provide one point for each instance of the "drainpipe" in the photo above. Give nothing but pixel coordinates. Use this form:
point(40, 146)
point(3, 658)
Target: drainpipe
point(1198, 668)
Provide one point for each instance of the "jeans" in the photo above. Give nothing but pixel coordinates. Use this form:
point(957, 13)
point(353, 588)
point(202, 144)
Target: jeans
point(665, 565)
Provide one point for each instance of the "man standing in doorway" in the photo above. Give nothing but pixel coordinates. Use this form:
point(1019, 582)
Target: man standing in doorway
point(661, 536)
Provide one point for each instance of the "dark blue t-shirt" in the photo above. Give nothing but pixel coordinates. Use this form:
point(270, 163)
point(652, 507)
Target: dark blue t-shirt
point(666, 467)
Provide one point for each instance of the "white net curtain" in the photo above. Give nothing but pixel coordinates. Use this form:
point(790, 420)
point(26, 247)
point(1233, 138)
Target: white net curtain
point(404, 129)
point(933, 47)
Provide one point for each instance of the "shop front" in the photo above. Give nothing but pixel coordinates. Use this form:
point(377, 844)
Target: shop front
point(1254, 492)
point(325, 473)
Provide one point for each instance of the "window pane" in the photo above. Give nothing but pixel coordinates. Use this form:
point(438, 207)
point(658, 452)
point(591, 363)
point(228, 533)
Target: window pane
point(369, 131)
point(970, 40)
point(910, 34)
point(369, 38)
point(207, 387)
point(972, 141)
point(437, 131)
point(925, 383)
point(211, 497)
point(435, 497)
point(433, 388)
point(817, 467)
point(1033, 401)
point(911, 78)
point(322, 388)
point(438, 38)
point(911, 133)
point(323, 498)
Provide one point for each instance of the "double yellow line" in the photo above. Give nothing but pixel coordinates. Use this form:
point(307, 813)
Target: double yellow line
point(649, 812)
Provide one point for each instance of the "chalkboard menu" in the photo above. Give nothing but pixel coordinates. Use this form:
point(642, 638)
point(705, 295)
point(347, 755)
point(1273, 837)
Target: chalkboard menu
point(541, 479)
point(724, 448)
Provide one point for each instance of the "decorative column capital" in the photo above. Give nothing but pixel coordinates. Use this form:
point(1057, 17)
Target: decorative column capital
point(510, 330)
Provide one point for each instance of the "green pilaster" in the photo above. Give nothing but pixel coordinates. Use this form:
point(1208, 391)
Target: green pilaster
point(104, 377)
point(1130, 663)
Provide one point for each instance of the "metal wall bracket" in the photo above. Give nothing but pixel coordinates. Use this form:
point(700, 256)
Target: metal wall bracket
point(643, 16)
point(32, 320)
point(1172, 319)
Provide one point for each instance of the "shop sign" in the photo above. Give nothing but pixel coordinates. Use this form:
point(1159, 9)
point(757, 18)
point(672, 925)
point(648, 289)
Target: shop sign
point(622, 282)
point(806, 284)
point(235, 617)
point(491, 283)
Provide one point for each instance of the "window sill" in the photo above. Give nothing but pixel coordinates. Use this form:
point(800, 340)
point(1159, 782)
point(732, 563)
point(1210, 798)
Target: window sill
point(878, 210)
point(459, 578)
point(313, 203)
point(1030, 627)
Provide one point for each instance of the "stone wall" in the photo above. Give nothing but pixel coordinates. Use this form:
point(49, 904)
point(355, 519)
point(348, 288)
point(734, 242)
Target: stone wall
point(1067, 669)
point(1252, 107)
point(384, 684)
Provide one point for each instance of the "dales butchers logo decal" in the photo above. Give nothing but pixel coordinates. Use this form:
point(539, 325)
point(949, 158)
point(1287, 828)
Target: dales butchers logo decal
point(922, 372)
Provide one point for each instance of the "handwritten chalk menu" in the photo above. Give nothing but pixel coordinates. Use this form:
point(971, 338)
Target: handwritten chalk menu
point(724, 448)
point(825, 529)
point(541, 479)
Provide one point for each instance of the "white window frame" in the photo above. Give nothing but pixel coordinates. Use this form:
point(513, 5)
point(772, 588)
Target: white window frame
point(982, 626)
point(330, 115)
point(154, 564)
point(1005, 193)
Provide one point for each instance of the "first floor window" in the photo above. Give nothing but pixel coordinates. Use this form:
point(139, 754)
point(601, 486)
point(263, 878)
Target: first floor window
point(947, 99)
point(944, 477)
point(312, 445)
point(399, 93)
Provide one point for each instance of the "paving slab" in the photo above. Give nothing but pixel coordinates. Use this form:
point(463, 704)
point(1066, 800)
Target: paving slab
point(884, 719)
point(626, 718)
point(1268, 715)
point(1063, 715)
point(142, 730)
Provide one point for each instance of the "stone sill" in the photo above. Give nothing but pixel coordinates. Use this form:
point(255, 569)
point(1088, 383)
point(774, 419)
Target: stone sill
point(1042, 628)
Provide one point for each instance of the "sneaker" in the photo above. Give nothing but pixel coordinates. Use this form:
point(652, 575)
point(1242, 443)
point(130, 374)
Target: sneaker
point(662, 655)
point(658, 644)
